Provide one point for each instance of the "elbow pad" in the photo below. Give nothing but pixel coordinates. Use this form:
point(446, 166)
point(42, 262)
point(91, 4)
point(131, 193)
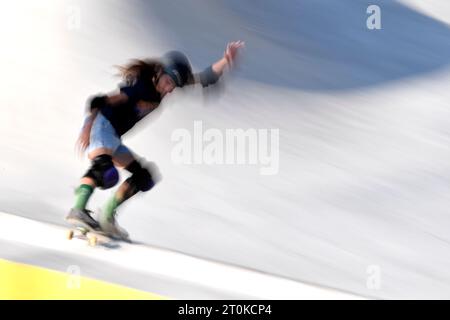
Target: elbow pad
point(98, 102)
point(208, 76)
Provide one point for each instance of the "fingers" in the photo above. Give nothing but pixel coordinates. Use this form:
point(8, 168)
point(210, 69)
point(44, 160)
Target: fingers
point(81, 146)
point(236, 44)
point(231, 51)
point(77, 150)
point(232, 47)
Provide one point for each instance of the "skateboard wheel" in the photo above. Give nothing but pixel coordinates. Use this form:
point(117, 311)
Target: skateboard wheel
point(92, 241)
point(69, 235)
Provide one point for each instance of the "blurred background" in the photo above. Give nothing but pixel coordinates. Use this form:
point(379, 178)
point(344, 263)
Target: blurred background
point(363, 119)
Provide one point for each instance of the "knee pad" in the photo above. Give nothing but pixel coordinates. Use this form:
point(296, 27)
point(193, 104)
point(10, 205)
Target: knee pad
point(103, 172)
point(141, 179)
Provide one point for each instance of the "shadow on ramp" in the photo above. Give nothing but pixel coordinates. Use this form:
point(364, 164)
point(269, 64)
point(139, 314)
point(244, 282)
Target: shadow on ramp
point(308, 44)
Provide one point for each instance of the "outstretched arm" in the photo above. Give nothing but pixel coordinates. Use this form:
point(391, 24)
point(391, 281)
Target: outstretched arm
point(211, 74)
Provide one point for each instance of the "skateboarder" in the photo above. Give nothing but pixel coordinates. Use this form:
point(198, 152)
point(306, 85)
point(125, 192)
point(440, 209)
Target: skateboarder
point(146, 83)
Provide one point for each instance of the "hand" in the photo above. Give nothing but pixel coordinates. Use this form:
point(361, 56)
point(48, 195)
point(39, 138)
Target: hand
point(85, 134)
point(83, 141)
point(232, 50)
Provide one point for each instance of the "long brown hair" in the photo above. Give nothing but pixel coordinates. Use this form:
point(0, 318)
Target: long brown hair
point(144, 69)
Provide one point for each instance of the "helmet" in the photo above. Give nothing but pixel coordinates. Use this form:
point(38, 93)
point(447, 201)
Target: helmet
point(177, 66)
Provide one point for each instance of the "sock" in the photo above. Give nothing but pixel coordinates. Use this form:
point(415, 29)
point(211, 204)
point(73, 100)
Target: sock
point(82, 195)
point(110, 207)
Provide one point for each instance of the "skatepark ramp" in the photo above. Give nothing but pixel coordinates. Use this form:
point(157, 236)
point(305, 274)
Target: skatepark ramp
point(359, 189)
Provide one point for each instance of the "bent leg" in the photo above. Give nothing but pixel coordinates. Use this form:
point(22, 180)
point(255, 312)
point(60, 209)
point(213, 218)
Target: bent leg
point(102, 144)
point(103, 172)
point(122, 158)
point(140, 180)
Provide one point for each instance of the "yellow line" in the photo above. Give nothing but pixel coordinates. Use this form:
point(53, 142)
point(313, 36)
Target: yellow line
point(21, 281)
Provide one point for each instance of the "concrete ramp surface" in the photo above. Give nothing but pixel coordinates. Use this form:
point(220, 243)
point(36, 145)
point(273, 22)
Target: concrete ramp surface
point(361, 195)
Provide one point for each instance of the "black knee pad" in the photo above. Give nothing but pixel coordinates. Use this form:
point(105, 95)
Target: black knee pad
point(141, 179)
point(103, 172)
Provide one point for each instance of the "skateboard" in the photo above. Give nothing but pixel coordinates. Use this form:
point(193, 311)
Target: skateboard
point(93, 237)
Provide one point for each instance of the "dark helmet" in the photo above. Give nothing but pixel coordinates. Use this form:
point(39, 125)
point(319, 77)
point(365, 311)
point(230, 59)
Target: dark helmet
point(177, 66)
